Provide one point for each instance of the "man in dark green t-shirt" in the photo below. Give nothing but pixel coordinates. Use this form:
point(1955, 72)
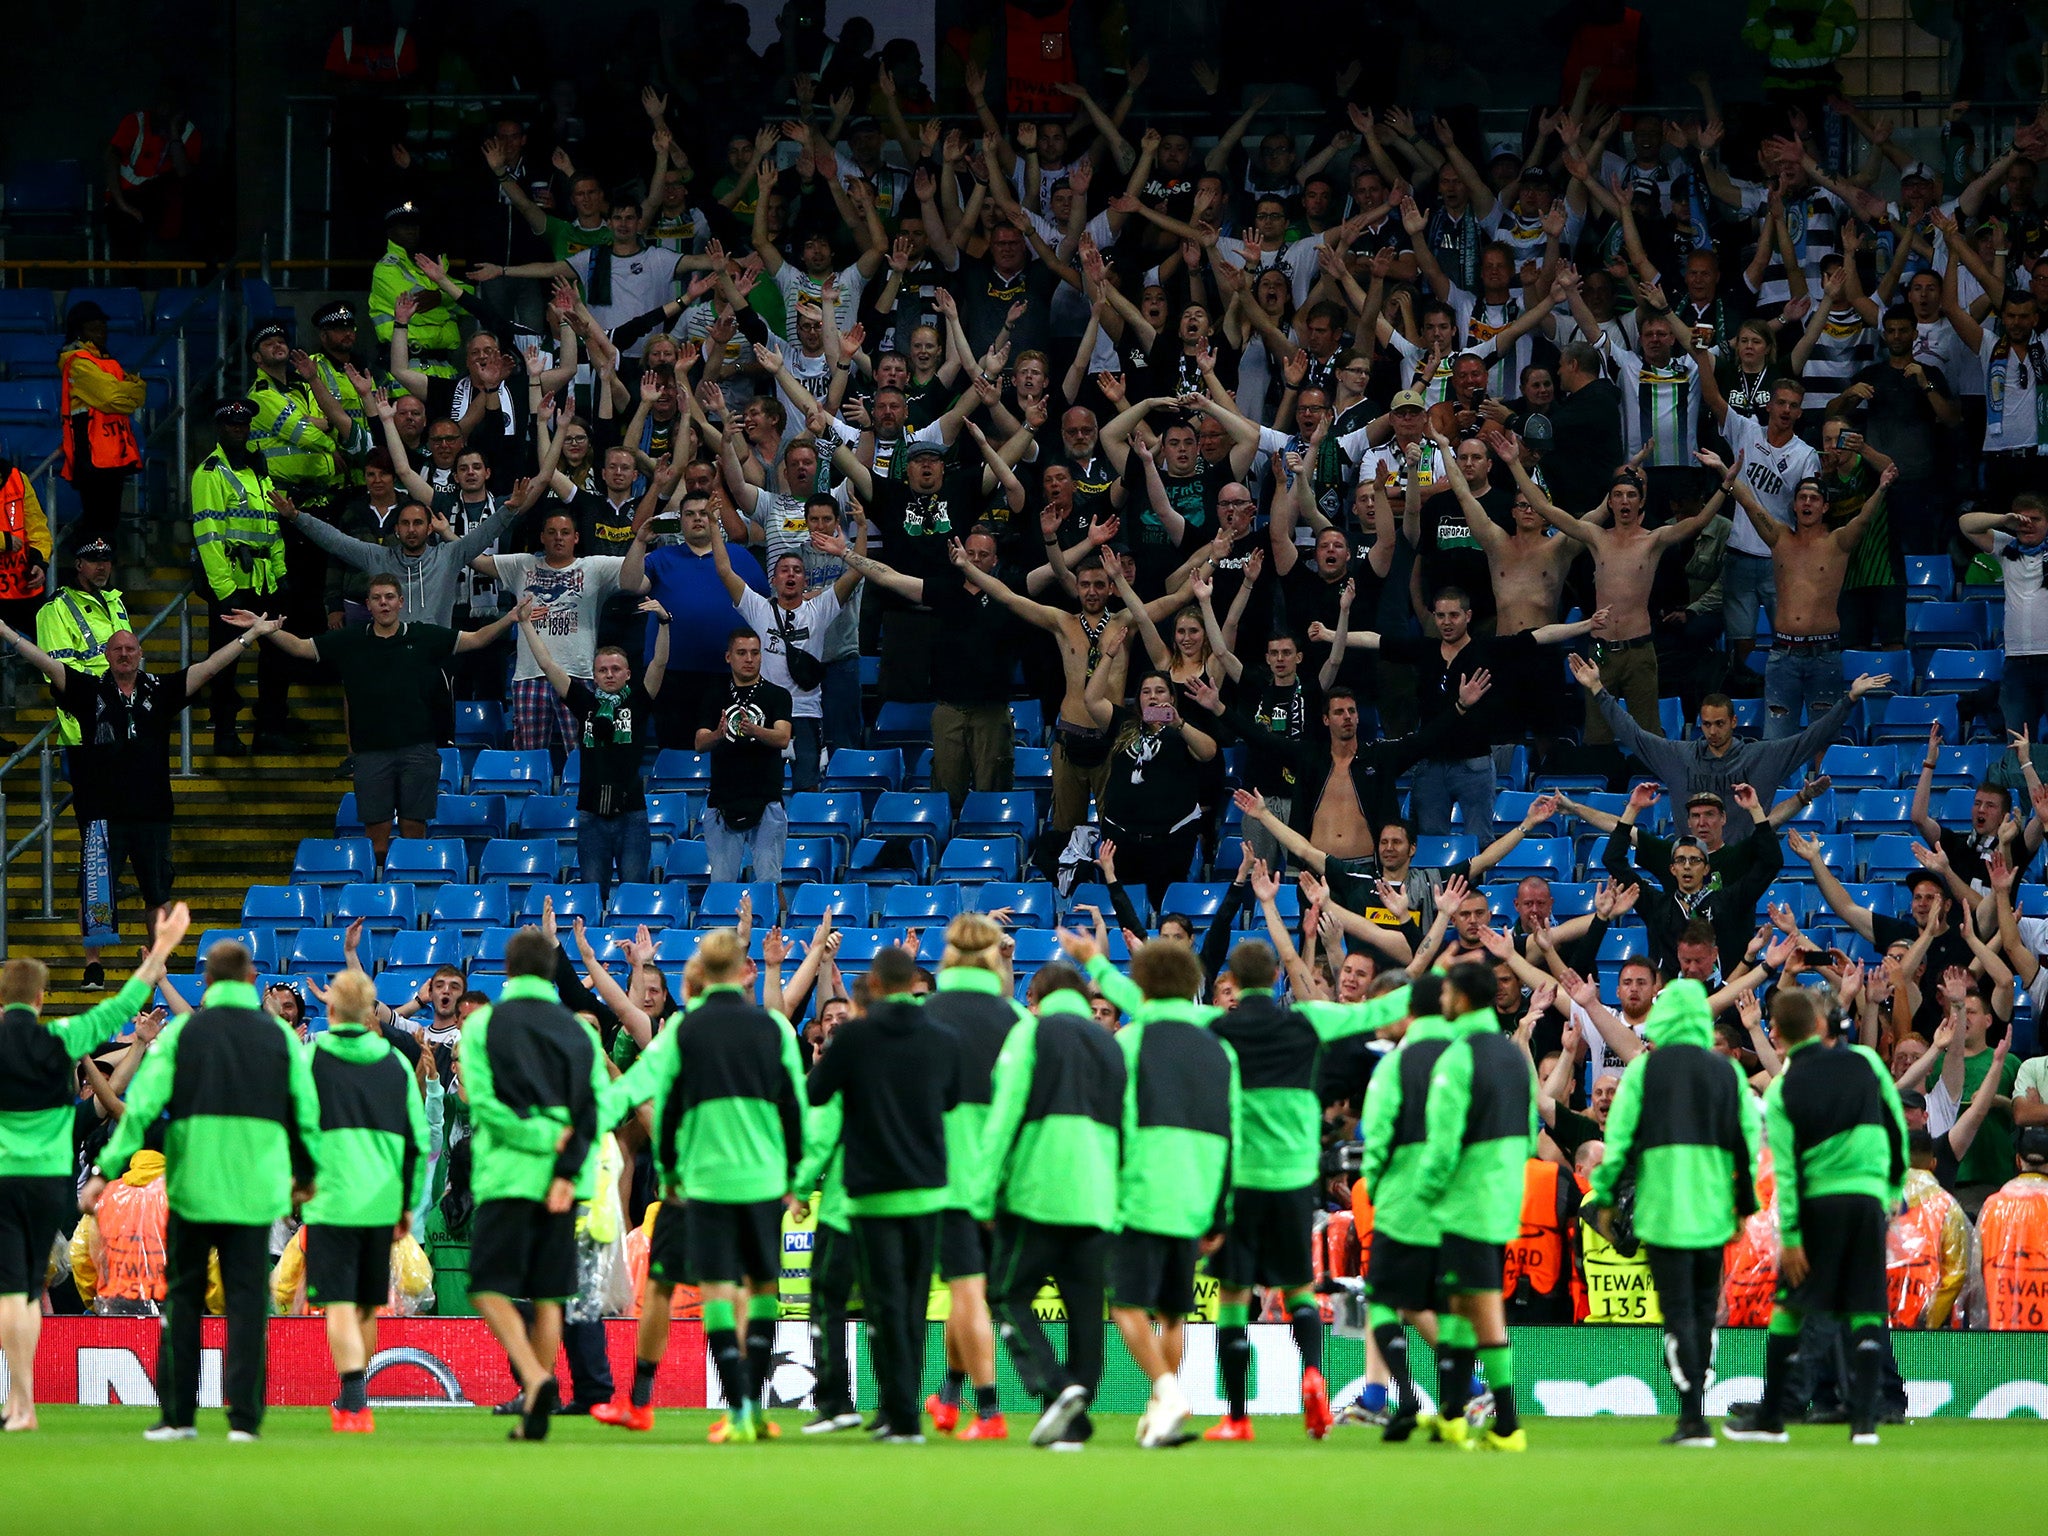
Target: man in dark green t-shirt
point(391, 676)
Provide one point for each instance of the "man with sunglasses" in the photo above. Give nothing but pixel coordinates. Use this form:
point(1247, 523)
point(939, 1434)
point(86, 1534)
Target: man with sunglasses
point(1691, 888)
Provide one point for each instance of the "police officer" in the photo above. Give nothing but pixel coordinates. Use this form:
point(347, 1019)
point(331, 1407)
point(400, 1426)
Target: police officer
point(296, 442)
point(332, 365)
point(242, 558)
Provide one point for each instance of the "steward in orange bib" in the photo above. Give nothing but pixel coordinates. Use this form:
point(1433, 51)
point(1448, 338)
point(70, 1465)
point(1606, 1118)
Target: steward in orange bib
point(96, 398)
point(1540, 1281)
point(1927, 1245)
point(2012, 1232)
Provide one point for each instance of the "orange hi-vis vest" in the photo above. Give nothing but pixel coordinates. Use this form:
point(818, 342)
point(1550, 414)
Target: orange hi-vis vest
point(18, 563)
point(1912, 1260)
point(132, 1221)
point(110, 434)
point(2012, 1234)
point(1538, 1257)
point(1361, 1224)
point(1038, 53)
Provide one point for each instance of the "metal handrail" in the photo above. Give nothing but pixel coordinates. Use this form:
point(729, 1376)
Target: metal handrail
point(45, 828)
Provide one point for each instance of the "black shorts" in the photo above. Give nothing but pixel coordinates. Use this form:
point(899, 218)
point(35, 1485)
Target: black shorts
point(520, 1248)
point(348, 1265)
point(963, 1246)
point(1464, 1264)
point(1268, 1241)
point(32, 1212)
point(1845, 1256)
point(667, 1260)
point(403, 780)
point(1153, 1272)
point(727, 1243)
point(1401, 1275)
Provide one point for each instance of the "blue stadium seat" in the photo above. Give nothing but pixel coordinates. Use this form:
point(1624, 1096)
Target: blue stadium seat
point(475, 818)
point(29, 310)
point(920, 774)
point(810, 858)
point(852, 904)
point(658, 906)
point(970, 861)
point(1954, 805)
point(852, 768)
point(1442, 852)
point(881, 861)
point(1948, 624)
point(398, 985)
point(902, 725)
point(383, 908)
point(673, 814)
point(1960, 671)
point(125, 312)
point(430, 947)
point(1671, 716)
point(27, 356)
point(920, 905)
point(1886, 896)
point(1027, 716)
point(1897, 664)
point(490, 953)
point(333, 861)
point(451, 771)
point(859, 946)
point(1539, 855)
point(1032, 905)
point(580, 899)
point(27, 401)
point(470, 909)
point(1511, 805)
point(999, 813)
point(317, 952)
point(1094, 894)
point(719, 905)
point(1749, 718)
point(549, 816)
point(520, 862)
point(920, 813)
point(499, 772)
point(1198, 901)
point(1837, 852)
point(1569, 898)
point(283, 909)
point(1908, 719)
point(1871, 812)
point(1964, 767)
point(1889, 858)
point(1031, 768)
point(348, 821)
point(675, 768)
point(1500, 901)
point(490, 983)
point(688, 865)
point(826, 813)
point(479, 723)
point(1929, 577)
point(1619, 944)
point(1861, 767)
point(427, 860)
point(263, 945)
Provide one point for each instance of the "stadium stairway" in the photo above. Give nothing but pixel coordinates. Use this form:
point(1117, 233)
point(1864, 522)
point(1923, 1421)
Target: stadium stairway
point(239, 820)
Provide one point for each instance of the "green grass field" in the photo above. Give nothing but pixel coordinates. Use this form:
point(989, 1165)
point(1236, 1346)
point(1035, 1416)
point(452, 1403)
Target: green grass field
point(88, 1471)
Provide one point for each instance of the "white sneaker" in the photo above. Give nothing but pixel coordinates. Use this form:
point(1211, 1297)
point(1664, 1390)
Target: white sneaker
point(1170, 1416)
point(1868, 1437)
point(243, 1437)
point(1059, 1417)
point(164, 1432)
point(1145, 1419)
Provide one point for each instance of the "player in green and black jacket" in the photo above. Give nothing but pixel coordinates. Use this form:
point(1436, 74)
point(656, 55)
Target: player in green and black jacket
point(1683, 1129)
point(834, 1268)
point(38, 1087)
point(1838, 1153)
point(1480, 1131)
point(973, 1000)
point(727, 1093)
point(1400, 1278)
point(897, 1074)
point(1180, 1135)
point(533, 1073)
point(1046, 1175)
point(242, 1142)
point(373, 1141)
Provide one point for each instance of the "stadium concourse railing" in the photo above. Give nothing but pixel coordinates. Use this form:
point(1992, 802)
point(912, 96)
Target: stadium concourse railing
point(50, 805)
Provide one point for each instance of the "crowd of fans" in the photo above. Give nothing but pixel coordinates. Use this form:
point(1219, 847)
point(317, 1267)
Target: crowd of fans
point(1354, 503)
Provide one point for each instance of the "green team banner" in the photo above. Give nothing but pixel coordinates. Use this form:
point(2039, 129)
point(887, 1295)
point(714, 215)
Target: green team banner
point(1564, 1372)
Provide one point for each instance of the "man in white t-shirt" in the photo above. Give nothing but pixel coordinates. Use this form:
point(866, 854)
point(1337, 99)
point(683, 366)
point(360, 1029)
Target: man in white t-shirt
point(569, 591)
point(792, 625)
point(1773, 458)
point(2013, 357)
point(2019, 541)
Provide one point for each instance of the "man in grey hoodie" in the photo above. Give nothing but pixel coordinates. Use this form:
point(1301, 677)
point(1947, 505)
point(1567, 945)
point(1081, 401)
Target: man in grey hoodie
point(429, 570)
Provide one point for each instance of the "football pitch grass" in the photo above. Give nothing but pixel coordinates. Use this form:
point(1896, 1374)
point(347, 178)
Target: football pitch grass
point(88, 1470)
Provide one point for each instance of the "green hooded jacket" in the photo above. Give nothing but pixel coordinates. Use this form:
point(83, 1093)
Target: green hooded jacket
point(373, 1131)
point(38, 1082)
point(1051, 1142)
point(728, 1099)
point(531, 1070)
point(1393, 1127)
point(1684, 1126)
point(1481, 1129)
point(1836, 1128)
point(822, 1172)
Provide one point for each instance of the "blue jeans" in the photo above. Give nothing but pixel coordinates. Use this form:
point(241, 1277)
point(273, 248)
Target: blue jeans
point(805, 734)
point(1748, 586)
point(2023, 691)
point(729, 849)
point(603, 842)
point(1798, 680)
point(841, 702)
point(1440, 785)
